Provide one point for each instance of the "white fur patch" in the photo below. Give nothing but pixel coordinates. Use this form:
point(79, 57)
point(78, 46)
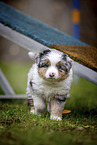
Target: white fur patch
point(32, 111)
point(55, 118)
point(54, 57)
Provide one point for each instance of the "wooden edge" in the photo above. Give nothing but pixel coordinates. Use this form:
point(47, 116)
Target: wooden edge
point(21, 39)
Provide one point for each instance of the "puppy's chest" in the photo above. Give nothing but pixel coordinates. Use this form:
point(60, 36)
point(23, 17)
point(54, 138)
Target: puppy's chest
point(48, 90)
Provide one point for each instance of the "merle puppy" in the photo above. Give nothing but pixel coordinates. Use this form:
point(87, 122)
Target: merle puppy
point(49, 82)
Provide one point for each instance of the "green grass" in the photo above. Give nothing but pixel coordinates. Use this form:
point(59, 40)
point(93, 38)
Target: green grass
point(19, 127)
point(16, 74)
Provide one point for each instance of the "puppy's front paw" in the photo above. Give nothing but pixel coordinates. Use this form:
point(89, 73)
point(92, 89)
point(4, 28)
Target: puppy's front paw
point(35, 113)
point(57, 118)
point(32, 110)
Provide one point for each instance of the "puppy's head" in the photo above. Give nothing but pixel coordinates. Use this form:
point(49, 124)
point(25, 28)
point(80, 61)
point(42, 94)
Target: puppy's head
point(53, 65)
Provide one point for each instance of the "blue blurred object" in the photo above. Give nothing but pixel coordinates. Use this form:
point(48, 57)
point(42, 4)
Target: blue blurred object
point(76, 4)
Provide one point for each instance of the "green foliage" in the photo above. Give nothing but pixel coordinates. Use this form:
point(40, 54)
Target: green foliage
point(18, 126)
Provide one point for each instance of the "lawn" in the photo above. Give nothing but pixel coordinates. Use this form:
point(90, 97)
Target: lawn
point(19, 127)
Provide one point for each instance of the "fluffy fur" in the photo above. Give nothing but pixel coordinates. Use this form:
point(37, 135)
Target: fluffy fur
point(49, 82)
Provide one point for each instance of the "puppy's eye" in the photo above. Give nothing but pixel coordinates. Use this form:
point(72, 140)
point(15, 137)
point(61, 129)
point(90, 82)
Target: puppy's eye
point(44, 65)
point(59, 68)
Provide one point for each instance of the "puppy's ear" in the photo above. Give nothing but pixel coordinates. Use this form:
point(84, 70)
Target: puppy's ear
point(68, 62)
point(37, 59)
point(68, 66)
point(31, 55)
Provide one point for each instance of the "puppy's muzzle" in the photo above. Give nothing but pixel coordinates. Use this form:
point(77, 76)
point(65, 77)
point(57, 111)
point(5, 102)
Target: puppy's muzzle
point(52, 73)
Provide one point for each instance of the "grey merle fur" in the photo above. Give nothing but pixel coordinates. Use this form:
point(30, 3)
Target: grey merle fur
point(40, 56)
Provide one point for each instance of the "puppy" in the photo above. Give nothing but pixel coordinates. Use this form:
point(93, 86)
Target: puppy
point(49, 82)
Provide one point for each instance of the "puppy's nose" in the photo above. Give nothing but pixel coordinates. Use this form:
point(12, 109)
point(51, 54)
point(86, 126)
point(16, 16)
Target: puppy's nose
point(52, 75)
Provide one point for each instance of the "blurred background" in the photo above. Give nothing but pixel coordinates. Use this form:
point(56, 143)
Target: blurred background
point(17, 125)
point(57, 13)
